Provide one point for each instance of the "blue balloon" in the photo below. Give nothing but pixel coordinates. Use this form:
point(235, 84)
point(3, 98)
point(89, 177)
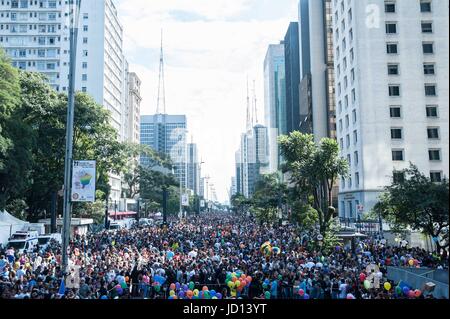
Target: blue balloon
point(185, 287)
point(305, 296)
point(213, 293)
point(181, 294)
point(104, 297)
point(219, 295)
point(405, 290)
point(177, 286)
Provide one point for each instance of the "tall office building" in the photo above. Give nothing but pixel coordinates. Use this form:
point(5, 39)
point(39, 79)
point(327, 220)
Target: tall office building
point(132, 114)
point(275, 100)
point(392, 94)
point(166, 134)
point(317, 98)
point(193, 168)
point(35, 34)
point(292, 73)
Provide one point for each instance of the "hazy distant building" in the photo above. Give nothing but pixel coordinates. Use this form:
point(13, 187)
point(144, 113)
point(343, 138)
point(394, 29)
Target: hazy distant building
point(193, 168)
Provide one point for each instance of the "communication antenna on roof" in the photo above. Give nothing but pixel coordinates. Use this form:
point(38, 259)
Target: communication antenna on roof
point(255, 108)
point(249, 117)
point(161, 104)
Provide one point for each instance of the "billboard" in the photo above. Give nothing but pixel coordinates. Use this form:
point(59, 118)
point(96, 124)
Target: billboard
point(83, 181)
point(185, 200)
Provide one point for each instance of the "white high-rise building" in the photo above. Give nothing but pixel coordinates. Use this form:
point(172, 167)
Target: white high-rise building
point(392, 96)
point(35, 34)
point(132, 114)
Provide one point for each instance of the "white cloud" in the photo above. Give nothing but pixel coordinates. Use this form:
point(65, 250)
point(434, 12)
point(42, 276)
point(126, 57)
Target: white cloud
point(207, 62)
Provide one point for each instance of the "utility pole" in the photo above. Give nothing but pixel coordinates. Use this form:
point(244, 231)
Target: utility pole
point(67, 209)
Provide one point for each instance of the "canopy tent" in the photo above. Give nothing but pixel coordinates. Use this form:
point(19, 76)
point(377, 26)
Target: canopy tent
point(9, 225)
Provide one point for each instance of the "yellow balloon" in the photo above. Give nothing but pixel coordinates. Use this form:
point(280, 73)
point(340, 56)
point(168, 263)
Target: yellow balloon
point(387, 286)
point(172, 293)
point(411, 262)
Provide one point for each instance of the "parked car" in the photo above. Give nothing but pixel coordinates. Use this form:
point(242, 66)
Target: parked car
point(45, 240)
point(24, 241)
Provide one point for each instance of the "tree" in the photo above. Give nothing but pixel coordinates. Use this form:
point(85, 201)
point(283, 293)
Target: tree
point(9, 101)
point(268, 198)
point(418, 203)
point(240, 203)
point(313, 169)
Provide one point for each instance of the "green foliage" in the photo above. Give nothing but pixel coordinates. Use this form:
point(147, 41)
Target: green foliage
point(9, 101)
point(418, 203)
point(17, 208)
point(268, 198)
point(240, 204)
point(314, 170)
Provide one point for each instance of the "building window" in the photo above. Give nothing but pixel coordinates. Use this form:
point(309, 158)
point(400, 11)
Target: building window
point(84, 89)
point(428, 69)
point(389, 7)
point(428, 47)
point(348, 140)
point(349, 160)
point(356, 158)
point(393, 69)
point(398, 177)
point(427, 27)
point(396, 133)
point(433, 133)
point(357, 179)
point(85, 28)
point(425, 6)
point(392, 48)
point(394, 90)
point(397, 155)
point(432, 111)
point(395, 112)
point(347, 121)
point(85, 40)
point(84, 77)
point(434, 155)
point(354, 116)
point(391, 28)
point(85, 53)
point(85, 65)
point(430, 89)
point(355, 137)
point(436, 177)
point(350, 207)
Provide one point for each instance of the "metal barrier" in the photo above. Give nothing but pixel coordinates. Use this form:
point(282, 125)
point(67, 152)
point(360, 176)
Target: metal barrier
point(418, 277)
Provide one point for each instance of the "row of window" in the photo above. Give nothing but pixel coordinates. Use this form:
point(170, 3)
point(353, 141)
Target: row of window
point(23, 4)
point(430, 110)
point(24, 16)
point(427, 47)
point(391, 6)
point(24, 28)
point(432, 133)
point(392, 27)
point(428, 69)
point(429, 90)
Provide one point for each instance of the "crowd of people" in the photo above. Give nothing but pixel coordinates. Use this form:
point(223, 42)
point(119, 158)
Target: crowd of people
point(207, 251)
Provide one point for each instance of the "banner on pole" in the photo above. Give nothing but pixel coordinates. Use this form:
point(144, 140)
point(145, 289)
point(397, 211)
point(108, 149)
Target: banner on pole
point(202, 203)
point(185, 200)
point(83, 181)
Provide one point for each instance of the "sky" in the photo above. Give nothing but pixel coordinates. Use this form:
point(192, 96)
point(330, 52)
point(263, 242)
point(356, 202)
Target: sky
point(210, 48)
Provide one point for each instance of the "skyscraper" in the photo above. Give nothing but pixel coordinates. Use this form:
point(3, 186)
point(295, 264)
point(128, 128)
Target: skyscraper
point(166, 134)
point(274, 100)
point(292, 72)
point(132, 114)
point(317, 99)
point(35, 34)
point(392, 94)
point(193, 168)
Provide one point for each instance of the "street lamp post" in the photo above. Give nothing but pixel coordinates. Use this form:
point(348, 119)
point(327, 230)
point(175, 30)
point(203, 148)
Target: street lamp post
point(67, 207)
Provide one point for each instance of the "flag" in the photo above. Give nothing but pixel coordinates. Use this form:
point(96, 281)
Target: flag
point(62, 288)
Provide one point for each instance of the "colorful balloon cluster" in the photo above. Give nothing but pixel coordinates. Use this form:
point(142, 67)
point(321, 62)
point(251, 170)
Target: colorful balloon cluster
point(177, 291)
point(267, 249)
point(408, 292)
point(237, 282)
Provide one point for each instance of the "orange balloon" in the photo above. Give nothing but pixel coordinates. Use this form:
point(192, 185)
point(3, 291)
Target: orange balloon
point(205, 288)
point(249, 279)
point(243, 283)
point(234, 279)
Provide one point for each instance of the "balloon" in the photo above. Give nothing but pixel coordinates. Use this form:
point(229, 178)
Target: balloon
point(118, 286)
point(411, 294)
point(213, 293)
point(417, 293)
point(362, 277)
point(219, 295)
point(172, 293)
point(171, 297)
point(124, 285)
point(196, 292)
point(243, 283)
point(405, 290)
point(301, 292)
point(120, 291)
point(185, 287)
point(411, 262)
point(387, 286)
point(172, 287)
point(366, 284)
point(230, 284)
point(237, 283)
point(306, 296)
point(104, 297)
point(177, 286)
point(350, 296)
point(416, 262)
point(206, 294)
point(249, 279)
point(267, 295)
point(214, 297)
point(191, 285)
point(189, 293)
point(157, 288)
point(398, 290)
point(205, 288)
point(243, 276)
point(233, 279)
point(181, 294)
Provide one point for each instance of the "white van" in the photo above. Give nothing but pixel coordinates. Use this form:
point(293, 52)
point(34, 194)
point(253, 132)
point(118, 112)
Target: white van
point(23, 241)
point(44, 240)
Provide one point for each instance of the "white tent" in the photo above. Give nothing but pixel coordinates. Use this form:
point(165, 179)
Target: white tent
point(8, 225)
